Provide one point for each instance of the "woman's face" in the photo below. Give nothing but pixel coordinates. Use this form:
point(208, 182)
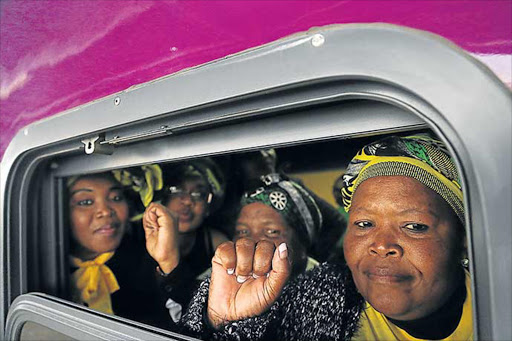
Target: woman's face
point(190, 204)
point(98, 215)
point(260, 222)
point(402, 247)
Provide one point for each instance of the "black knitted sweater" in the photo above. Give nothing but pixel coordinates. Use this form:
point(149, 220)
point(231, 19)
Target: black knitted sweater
point(322, 304)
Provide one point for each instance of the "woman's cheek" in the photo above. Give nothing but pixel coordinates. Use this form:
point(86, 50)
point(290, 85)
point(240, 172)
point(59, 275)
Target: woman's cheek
point(123, 212)
point(353, 249)
point(78, 221)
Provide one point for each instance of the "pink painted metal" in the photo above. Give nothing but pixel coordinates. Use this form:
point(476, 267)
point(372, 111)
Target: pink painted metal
point(58, 55)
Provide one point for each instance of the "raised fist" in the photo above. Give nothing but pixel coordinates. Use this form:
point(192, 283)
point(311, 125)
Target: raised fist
point(161, 231)
point(247, 278)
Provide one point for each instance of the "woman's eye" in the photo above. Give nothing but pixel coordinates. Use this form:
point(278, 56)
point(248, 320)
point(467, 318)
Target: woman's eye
point(415, 227)
point(242, 232)
point(85, 202)
point(117, 198)
point(363, 224)
point(273, 233)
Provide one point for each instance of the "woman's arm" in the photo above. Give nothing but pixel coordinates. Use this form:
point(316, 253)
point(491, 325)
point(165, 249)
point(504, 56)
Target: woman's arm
point(161, 231)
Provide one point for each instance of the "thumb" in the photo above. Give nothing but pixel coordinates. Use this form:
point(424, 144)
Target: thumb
point(281, 269)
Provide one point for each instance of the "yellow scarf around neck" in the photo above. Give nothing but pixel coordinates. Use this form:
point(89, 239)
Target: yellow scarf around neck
point(93, 282)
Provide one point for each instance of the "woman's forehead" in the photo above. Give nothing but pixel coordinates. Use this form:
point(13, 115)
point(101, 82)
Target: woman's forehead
point(391, 184)
point(94, 182)
point(402, 194)
point(261, 212)
point(193, 182)
point(258, 208)
point(402, 191)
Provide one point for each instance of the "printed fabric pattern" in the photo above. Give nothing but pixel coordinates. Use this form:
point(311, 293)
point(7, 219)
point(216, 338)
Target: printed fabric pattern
point(298, 208)
point(421, 157)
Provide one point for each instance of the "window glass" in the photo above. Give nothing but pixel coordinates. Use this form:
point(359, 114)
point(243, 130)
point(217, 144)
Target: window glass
point(32, 331)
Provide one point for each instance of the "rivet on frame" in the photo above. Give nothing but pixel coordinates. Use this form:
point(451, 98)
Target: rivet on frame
point(317, 40)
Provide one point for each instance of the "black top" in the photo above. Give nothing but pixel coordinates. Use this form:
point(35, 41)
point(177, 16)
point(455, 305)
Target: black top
point(139, 297)
point(181, 283)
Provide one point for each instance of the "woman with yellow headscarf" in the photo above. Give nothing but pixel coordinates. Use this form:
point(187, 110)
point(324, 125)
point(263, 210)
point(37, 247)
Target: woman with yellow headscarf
point(110, 272)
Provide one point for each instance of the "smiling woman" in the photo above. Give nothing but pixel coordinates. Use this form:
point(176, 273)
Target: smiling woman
point(405, 240)
point(103, 254)
point(404, 250)
point(98, 214)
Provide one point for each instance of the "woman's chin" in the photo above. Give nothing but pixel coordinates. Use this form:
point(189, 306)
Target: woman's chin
point(391, 305)
point(187, 227)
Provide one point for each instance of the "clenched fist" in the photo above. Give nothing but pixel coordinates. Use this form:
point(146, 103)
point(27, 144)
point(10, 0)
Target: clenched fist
point(247, 278)
point(161, 230)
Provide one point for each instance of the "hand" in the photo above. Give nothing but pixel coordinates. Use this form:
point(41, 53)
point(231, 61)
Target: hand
point(247, 278)
point(161, 230)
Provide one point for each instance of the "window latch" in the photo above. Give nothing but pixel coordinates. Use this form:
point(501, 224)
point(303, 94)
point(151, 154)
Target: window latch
point(94, 145)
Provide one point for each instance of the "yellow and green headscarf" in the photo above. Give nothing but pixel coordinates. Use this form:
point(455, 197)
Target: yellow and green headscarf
point(421, 157)
point(144, 180)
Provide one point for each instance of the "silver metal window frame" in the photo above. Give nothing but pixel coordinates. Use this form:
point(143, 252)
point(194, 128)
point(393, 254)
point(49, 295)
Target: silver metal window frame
point(76, 321)
point(459, 99)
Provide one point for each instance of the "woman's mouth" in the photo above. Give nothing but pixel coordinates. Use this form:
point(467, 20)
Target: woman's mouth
point(386, 276)
point(107, 229)
point(186, 217)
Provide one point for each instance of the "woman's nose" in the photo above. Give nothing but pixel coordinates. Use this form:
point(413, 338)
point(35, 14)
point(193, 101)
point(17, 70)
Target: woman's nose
point(186, 199)
point(104, 209)
point(258, 236)
point(385, 244)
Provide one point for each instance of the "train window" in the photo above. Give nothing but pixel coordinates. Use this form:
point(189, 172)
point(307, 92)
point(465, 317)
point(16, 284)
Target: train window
point(315, 121)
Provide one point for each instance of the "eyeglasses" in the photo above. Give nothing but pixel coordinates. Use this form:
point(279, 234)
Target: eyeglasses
point(194, 196)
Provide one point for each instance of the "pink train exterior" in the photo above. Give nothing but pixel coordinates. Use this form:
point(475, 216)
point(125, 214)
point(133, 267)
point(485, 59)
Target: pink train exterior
point(56, 55)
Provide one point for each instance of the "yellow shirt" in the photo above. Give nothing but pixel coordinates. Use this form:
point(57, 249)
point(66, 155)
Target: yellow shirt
point(375, 326)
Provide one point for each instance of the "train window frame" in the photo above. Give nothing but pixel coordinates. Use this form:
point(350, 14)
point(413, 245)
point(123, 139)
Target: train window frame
point(278, 82)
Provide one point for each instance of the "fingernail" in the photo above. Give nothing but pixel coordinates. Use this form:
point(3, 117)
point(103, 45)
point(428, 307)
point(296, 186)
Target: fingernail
point(255, 276)
point(267, 274)
point(231, 271)
point(283, 251)
point(241, 279)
